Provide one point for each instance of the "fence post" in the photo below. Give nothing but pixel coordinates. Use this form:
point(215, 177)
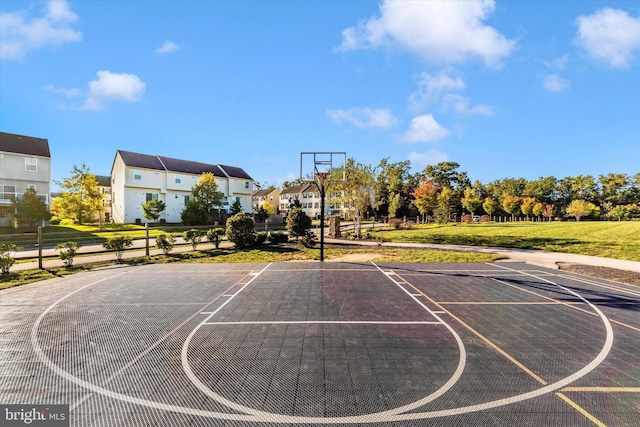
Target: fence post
point(40, 247)
point(146, 237)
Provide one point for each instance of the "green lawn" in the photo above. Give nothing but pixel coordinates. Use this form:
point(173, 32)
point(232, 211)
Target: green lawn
point(611, 239)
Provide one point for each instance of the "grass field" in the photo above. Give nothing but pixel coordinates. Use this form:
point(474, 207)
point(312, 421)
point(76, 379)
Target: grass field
point(608, 239)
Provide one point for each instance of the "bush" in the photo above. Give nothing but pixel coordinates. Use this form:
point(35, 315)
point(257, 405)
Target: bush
point(194, 237)
point(165, 242)
point(467, 218)
point(308, 240)
point(240, 230)
point(55, 220)
point(298, 223)
point(215, 235)
point(118, 244)
point(7, 256)
point(277, 238)
point(261, 238)
point(67, 251)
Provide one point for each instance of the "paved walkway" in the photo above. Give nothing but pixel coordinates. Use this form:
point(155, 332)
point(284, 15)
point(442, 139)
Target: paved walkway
point(541, 258)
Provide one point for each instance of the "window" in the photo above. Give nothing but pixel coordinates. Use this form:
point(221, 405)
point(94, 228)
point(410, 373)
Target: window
point(178, 180)
point(30, 164)
point(137, 175)
point(7, 192)
point(246, 184)
point(151, 196)
point(186, 199)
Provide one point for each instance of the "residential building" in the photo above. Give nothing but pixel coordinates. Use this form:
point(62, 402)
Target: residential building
point(25, 162)
point(104, 186)
point(137, 178)
point(270, 195)
point(309, 197)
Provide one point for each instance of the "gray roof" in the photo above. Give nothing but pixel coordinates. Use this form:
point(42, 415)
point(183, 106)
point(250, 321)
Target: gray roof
point(103, 181)
point(169, 164)
point(22, 144)
point(293, 189)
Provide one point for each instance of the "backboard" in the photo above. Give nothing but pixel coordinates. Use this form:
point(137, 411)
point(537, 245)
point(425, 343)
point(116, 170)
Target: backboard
point(323, 167)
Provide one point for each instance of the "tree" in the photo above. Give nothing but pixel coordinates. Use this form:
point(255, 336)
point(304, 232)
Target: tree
point(425, 197)
point(392, 181)
point(7, 256)
point(215, 235)
point(471, 200)
point(526, 206)
point(579, 208)
point(67, 251)
point(447, 175)
point(30, 210)
point(613, 187)
point(511, 205)
point(538, 209)
point(165, 242)
point(194, 237)
point(80, 198)
point(194, 213)
point(118, 244)
point(298, 223)
point(295, 204)
point(236, 207)
point(269, 208)
point(446, 199)
point(153, 209)
point(490, 206)
point(549, 211)
point(241, 230)
point(207, 194)
point(357, 191)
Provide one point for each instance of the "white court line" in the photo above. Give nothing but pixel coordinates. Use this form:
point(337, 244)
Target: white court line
point(609, 286)
point(279, 418)
point(323, 322)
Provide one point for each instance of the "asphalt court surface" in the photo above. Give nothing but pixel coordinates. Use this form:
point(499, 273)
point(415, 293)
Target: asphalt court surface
point(325, 344)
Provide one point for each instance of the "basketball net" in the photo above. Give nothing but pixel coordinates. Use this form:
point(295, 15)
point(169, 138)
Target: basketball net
point(321, 179)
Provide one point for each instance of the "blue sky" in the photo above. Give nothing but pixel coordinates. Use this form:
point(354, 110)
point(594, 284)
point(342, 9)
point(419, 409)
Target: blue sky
point(505, 88)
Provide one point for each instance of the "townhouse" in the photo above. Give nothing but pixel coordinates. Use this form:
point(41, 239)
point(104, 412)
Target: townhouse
point(137, 178)
point(25, 162)
point(270, 195)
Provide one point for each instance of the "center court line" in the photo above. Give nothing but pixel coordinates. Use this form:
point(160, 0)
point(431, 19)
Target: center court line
point(323, 322)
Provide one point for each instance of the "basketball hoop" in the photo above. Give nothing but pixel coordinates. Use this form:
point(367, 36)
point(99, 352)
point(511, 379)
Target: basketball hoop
point(321, 179)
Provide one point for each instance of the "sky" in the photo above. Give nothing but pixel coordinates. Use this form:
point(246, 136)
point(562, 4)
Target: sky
point(507, 89)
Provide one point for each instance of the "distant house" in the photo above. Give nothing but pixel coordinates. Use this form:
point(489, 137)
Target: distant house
point(307, 194)
point(25, 162)
point(104, 185)
point(270, 195)
point(137, 178)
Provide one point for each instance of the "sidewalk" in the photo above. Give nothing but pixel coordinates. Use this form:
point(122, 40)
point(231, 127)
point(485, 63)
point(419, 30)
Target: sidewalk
point(540, 258)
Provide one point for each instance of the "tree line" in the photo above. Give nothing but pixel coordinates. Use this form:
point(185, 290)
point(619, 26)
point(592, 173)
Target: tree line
point(442, 192)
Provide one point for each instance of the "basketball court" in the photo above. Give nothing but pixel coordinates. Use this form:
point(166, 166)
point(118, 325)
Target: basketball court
point(325, 344)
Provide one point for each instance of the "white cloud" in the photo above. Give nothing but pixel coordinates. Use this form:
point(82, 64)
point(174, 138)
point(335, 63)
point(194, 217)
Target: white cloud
point(555, 83)
point(610, 36)
point(558, 63)
point(377, 118)
point(460, 105)
point(431, 87)
point(167, 47)
point(421, 160)
point(424, 128)
point(437, 31)
point(20, 34)
point(69, 93)
point(113, 87)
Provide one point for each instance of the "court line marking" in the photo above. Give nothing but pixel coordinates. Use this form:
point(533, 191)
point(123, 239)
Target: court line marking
point(610, 286)
point(322, 322)
point(602, 389)
point(270, 417)
point(581, 410)
point(535, 393)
